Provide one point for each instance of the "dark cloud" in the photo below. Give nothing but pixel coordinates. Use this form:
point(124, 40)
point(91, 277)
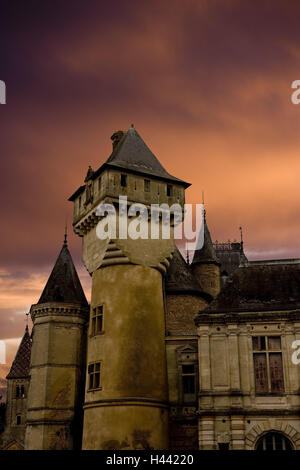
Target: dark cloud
point(206, 83)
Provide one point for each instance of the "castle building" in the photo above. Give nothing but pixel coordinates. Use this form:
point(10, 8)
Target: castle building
point(168, 355)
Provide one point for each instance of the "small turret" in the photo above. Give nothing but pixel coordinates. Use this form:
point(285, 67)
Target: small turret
point(206, 266)
point(57, 360)
point(17, 391)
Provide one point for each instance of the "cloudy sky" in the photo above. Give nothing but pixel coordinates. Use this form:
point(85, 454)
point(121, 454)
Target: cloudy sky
point(207, 84)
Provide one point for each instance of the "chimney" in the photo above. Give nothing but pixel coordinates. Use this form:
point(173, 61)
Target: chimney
point(116, 137)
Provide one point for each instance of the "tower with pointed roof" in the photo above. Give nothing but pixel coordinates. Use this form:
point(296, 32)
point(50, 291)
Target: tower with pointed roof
point(57, 360)
point(126, 397)
point(17, 392)
point(206, 265)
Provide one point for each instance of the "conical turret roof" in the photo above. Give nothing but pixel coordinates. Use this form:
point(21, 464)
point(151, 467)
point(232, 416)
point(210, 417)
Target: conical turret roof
point(63, 284)
point(180, 278)
point(207, 254)
point(21, 364)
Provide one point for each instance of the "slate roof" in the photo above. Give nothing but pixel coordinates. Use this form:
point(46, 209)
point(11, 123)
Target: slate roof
point(259, 288)
point(180, 279)
point(63, 284)
point(131, 153)
point(21, 364)
point(207, 254)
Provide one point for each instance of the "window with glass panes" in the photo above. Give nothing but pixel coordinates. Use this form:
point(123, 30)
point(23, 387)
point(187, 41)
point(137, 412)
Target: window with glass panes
point(97, 320)
point(268, 368)
point(189, 383)
point(94, 375)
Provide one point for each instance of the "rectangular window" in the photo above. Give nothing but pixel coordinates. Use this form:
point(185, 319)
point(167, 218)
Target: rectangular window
point(89, 194)
point(94, 376)
point(268, 367)
point(18, 419)
point(79, 202)
point(124, 181)
point(97, 320)
point(147, 186)
point(189, 383)
point(169, 190)
point(99, 184)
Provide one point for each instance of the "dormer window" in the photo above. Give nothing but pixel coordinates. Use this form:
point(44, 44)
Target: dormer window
point(123, 181)
point(147, 186)
point(169, 190)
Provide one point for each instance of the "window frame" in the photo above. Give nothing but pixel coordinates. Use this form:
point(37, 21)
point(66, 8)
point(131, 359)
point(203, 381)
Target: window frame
point(267, 351)
point(189, 397)
point(147, 185)
point(92, 375)
point(95, 315)
point(169, 190)
point(285, 442)
point(123, 178)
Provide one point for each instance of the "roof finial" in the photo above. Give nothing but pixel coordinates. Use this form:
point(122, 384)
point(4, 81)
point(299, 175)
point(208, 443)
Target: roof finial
point(66, 234)
point(187, 254)
point(241, 232)
point(204, 212)
point(26, 328)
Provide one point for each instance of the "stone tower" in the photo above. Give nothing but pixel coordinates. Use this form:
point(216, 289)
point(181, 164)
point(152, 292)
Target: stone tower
point(126, 399)
point(206, 266)
point(17, 393)
point(57, 360)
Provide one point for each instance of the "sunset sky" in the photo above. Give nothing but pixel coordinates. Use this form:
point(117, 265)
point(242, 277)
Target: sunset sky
point(207, 85)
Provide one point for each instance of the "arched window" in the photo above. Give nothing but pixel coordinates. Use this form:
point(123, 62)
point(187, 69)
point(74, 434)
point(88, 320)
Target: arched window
point(273, 441)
